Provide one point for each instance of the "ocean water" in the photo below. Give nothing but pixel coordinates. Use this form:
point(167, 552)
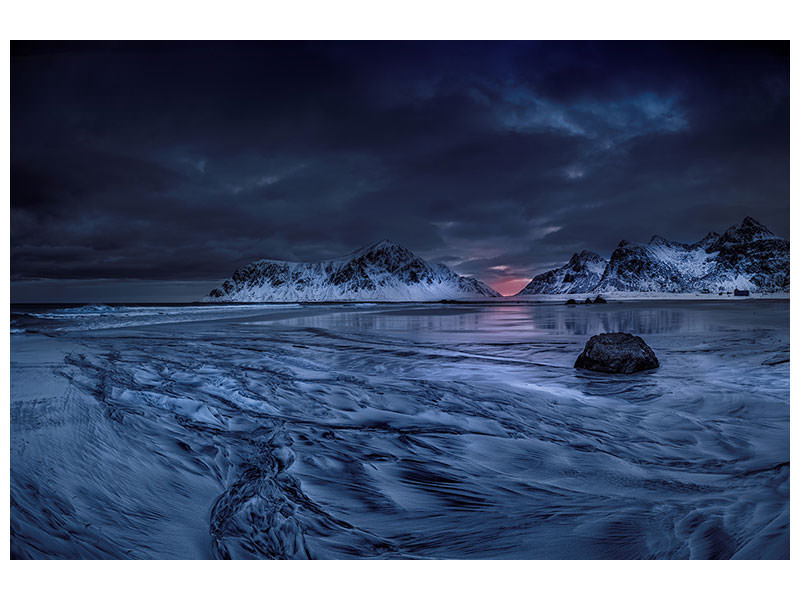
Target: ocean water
point(398, 431)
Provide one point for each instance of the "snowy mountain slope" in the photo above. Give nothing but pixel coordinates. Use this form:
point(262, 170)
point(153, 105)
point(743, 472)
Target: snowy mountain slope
point(659, 266)
point(747, 256)
point(382, 271)
point(581, 274)
point(750, 257)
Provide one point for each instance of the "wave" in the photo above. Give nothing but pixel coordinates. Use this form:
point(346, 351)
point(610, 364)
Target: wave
point(100, 316)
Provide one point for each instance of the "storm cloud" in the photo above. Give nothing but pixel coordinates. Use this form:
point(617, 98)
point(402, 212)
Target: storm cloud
point(179, 162)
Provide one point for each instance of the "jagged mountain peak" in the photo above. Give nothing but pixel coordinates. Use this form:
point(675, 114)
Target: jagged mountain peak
point(749, 221)
point(384, 252)
point(381, 271)
point(584, 259)
point(584, 255)
point(752, 229)
point(660, 240)
point(707, 241)
point(580, 274)
point(382, 246)
point(747, 232)
point(746, 256)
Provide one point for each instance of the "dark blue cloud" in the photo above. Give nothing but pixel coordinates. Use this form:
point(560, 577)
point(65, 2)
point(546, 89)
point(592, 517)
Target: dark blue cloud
point(181, 161)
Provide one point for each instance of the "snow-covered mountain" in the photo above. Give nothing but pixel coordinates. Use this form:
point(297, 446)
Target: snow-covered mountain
point(382, 271)
point(747, 256)
point(581, 274)
point(659, 266)
point(750, 257)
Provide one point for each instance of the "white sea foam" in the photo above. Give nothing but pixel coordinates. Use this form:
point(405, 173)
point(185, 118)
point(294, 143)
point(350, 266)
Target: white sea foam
point(96, 316)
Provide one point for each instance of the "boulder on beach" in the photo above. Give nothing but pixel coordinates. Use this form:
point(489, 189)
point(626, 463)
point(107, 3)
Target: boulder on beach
point(570, 301)
point(616, 353)
point(587, 301)
point(600, 300)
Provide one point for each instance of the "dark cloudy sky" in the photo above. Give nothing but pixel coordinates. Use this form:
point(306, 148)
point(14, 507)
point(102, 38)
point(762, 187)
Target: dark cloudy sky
point(145, 171)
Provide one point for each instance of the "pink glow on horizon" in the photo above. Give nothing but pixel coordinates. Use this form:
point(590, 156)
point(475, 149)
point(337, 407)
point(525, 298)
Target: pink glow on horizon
point(509, 287)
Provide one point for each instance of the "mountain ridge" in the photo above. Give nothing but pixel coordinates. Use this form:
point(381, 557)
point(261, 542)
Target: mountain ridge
point(746, 256)
point(581, 274)
point(383, 271)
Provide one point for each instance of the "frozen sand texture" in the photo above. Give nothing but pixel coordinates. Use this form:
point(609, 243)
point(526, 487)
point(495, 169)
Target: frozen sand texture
point(403, 431)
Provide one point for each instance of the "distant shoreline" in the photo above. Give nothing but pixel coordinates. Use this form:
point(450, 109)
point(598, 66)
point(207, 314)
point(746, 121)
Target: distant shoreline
point(532, 299)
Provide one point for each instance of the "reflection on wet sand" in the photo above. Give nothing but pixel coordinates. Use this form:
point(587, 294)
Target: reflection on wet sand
point(412, 431)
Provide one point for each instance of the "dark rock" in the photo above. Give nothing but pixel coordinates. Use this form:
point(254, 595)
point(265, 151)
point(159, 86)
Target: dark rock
point(600, 300)
point(587, 301)
point(741, 293)
point(616, 353)
point(570, 301)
